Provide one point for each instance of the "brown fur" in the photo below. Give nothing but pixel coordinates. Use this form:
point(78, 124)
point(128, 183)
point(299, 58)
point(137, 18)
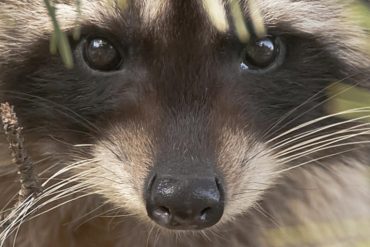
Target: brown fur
point(181, 104)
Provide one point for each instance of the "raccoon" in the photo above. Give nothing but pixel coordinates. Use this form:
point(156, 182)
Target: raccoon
point(189, 123)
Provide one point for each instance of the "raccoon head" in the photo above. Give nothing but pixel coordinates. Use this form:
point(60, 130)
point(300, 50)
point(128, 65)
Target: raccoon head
point(170, 116)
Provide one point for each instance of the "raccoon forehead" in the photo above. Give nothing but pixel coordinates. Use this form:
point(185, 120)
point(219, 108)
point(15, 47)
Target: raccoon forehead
point(311, 17)
point(328, 20)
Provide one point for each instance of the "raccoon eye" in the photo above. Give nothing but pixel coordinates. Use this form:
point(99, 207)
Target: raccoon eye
point(101, 54)
point(263, 54)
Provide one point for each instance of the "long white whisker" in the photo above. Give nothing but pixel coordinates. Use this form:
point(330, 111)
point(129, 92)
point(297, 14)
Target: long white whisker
point(319, 104)
point(303, 103)
point(317, 159)
point(68, 168)
point(324, 147)
point(324, 139)
point(355, 110)
point(314, 131)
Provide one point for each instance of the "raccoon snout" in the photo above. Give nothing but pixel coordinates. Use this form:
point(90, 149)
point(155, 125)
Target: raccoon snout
point(185, 203)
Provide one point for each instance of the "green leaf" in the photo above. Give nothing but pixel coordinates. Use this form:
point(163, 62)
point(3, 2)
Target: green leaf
point(350, 102)
point(59, 41)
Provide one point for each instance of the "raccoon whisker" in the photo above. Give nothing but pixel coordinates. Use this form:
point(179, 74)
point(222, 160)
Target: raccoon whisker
point(114, 174)
point(7, 207)
point(244, 195)
point(285, 116)
point(316, 159)
point(65, 169)
point(80, 218)
point(91, 175)
point(16, 194)
point(12, 199)
point(83, 145)
point(61, 191)
point(105, 178)
point(264, 213)
point(31, 212)
point(54, 138)
point(157, 236)
point(113, 224)
point(149, 234)
point(328, 168)
point(248, 190)
point(325, 146)
point(15, 212)
point(19, 212)
point(64, 194)
point(325, 140)
point(62, 182)
point(314, 131)
point(295, 138)
point(110, 148)
point(330, 147)
point(205, 235)
point(346, 134)
point(58, 194)
point(58, 130)
point(22, 220)
point(300, 146)
point(216, 233)
point(56, 189)
point(59, 108)
point(117, 215)
point(49, 168)
point(354, 110)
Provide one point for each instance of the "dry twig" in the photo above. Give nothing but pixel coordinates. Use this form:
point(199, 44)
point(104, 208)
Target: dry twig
point(29, 181)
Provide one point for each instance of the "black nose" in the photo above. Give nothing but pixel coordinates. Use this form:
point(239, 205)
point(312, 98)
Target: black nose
point(185, 203)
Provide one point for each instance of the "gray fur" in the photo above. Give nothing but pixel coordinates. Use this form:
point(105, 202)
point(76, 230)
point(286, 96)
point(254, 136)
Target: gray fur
point(181, 99)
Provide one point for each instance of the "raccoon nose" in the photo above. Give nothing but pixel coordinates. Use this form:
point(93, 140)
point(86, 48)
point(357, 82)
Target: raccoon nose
point(185, 203)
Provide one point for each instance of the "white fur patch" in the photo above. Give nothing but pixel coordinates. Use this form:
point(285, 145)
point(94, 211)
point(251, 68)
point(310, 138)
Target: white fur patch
point(153, 10)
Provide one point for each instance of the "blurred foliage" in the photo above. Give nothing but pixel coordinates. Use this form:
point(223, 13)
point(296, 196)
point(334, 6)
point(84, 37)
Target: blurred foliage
point(349, 102)
point(256, 19)
point(238, 18)
point(216, 14)
point(360, 12)
point(59, 41)
point(322, 234)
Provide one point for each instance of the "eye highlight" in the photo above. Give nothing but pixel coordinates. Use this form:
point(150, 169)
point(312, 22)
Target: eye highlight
point(100, 54)
point(263, 54)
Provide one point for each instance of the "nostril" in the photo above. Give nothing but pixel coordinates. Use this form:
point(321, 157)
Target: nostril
point(204, 213)
point(162, 211)
point(162, 214)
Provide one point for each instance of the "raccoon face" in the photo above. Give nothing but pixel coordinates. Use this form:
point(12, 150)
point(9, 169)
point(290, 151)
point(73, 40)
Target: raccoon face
point(183, 122)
